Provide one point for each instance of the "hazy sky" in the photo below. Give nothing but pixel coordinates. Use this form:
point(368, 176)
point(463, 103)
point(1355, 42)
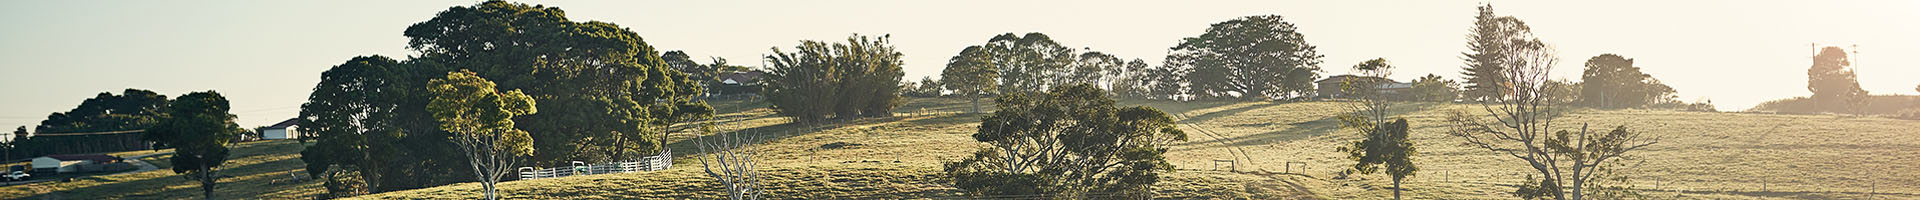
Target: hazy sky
point(265, 56)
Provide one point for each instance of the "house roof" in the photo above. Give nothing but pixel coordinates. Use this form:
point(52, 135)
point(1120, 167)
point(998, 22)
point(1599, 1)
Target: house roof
point(285, 124)
point(92, 157)
point(742, 77)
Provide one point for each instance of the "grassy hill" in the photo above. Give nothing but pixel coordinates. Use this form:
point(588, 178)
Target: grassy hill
point(1700, 156)
point(257, 170)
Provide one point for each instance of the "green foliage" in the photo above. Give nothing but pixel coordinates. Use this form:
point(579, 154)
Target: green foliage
point(1832, 82)
point(1253, 57)
point(133, 109)
point(1072, 142)
point(820, 81)
point(1611, 81)
point(481, 120)
point(1132, 81)
point(1028, 63)
point(927, 87)
point(1383, 145)
point(971, 74)
point(611, 95)
point(368, 119)
point(198, 126)
point(1435, 88)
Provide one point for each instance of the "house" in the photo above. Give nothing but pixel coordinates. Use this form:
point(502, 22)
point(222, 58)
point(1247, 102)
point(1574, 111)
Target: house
point(741, 78)
point(1334, 87)
point(283, 130)
point(737, 84)
point(68, 163)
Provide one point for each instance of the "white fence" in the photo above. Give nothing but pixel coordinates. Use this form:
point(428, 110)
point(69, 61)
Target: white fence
point(649, 163)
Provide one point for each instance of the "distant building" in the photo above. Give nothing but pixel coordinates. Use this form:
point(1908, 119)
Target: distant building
point(68, 163)
point(1334, 87)
point(283, 130)
point(738, 84)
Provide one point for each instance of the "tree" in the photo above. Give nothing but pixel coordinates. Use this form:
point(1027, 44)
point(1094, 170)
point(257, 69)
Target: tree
point(369, 120)
point(1028, 63)
point(1072, 142)
point(198, 126)
point(972, 75)
point(819, 81)
point(1094, 67)
point(1253, 57)
point(1131, 81)
point(731, 160)
point(481, 119)
point(679, 61)
point(1383, 143)
point(1521, 125)
point(1488, 45)
point(1435, 88)
point(611, 93)
point(927, 87)
point(1611, 81)
point(1832, 82)
point(1167, 82)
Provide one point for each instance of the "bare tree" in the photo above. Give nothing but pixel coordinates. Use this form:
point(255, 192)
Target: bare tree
point(730, 159)
point(1523, 120)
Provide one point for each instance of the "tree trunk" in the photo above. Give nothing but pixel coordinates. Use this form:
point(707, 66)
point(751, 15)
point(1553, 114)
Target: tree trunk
point(1396, 189)
point(206, 180)
point(976, 104)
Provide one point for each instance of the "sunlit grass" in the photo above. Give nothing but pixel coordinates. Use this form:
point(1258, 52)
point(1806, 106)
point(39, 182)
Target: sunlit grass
point(1700, 156)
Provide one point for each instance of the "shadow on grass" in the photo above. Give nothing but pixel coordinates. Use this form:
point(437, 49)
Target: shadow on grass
point(765, 134)
point(1308, 129)
point(160, 187)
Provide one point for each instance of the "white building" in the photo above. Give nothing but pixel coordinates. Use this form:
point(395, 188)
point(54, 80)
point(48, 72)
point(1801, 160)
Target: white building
point(283, 130)
point(72, 162)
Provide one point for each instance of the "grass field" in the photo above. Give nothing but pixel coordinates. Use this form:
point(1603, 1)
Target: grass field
point(1700, 156)
point(256, 170)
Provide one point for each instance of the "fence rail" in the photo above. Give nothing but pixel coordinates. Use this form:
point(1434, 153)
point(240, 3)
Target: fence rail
point(649, 163)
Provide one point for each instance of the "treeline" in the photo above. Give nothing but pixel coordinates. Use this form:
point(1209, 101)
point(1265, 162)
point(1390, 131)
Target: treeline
point(105, 123)
point(603, 95)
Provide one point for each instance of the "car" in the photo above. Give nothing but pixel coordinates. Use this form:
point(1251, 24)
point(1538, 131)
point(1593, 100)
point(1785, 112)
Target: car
point(18, 175)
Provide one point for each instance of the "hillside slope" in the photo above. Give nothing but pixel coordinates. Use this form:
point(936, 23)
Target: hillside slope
point(256, 170)
point(1700, 155)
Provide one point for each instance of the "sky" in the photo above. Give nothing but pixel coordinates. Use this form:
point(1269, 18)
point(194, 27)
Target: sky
point(265, 56)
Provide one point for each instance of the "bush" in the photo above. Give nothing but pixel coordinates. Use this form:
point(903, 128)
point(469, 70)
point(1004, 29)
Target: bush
point(819, 81)
point(1071, 143)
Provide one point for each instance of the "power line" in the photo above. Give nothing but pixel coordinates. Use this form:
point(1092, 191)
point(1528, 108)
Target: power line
point(88, 133)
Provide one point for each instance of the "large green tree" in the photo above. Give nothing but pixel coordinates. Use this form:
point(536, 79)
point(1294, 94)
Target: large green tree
point(1383, 142)
point(971, 75)
point(1611, 81)
point(1833, 83)
point(481, 120)
point(1253, 57)
point(198, 126)
point(819, 81)
point(1072, 142)
point(1435, 88)
point(610, 95)
point(369, 121)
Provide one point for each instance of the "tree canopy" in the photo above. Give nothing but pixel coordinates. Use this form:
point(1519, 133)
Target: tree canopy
point(198, 126)
point(1254, 57)
point(1072, 142)
point(819, 81)
point(1833, 83)
point(481, 120)
point(611, 94)
point(1611, 81)
point(608, 96)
